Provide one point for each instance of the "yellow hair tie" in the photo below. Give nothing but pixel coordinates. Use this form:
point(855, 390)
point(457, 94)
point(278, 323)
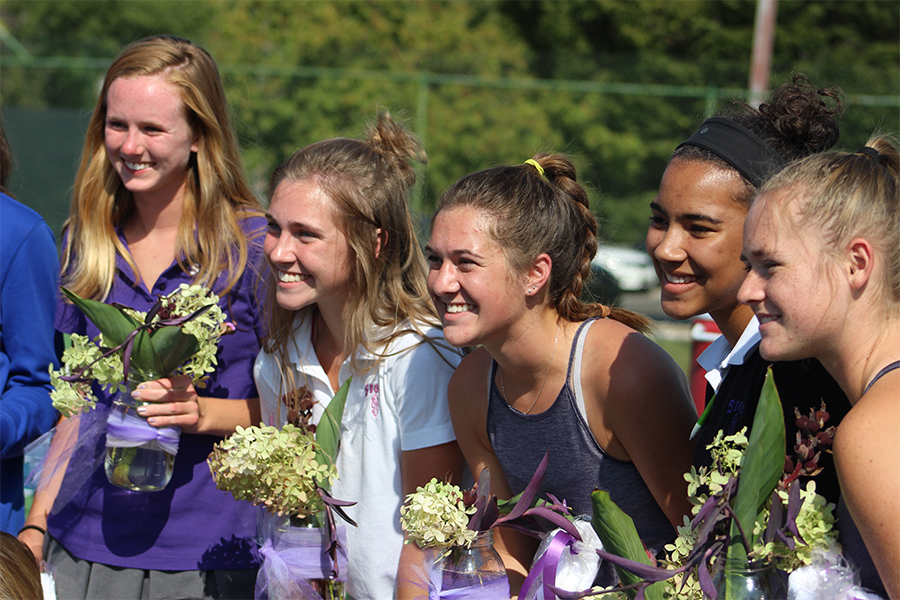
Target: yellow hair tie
point(539, 168)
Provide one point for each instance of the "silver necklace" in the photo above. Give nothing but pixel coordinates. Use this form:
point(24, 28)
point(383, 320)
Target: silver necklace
point(547, 374)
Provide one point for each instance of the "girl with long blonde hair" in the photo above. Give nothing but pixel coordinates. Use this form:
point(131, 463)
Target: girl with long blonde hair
point(347, 298)
point(160, 200)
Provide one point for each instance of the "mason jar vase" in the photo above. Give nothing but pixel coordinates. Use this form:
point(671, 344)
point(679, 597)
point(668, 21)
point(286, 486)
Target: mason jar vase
point(139, 456)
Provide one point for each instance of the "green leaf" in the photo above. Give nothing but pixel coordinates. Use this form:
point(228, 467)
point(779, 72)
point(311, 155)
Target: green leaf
point(173, 347)
point(617, 533)
point(112, 321)
point(762, 466)
point(144, 357)
point(328, 431)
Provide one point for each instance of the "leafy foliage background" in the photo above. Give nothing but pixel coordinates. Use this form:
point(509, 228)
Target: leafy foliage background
point(615, 83)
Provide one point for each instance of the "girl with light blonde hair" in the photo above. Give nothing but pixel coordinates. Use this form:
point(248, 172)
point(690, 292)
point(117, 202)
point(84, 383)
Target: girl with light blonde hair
point(822, 243)
point(347, 298)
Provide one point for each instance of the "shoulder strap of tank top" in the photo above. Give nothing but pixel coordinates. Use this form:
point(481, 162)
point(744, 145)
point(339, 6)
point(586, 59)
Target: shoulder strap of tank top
point(574, 375)
point(882, 373)
point(490, 378)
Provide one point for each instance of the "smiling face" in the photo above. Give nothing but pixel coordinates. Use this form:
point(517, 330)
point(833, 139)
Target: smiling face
point(469, 278)
point(694, 240)
point(789, 285)
point(148, 138)
point(308, 253)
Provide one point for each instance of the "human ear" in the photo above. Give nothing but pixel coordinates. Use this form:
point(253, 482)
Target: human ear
point(860, 256)
point(538, 274)
point(380, 239)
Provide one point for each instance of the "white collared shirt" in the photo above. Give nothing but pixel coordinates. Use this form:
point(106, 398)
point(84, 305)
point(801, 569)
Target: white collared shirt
point(719, 356)
point(399, 405)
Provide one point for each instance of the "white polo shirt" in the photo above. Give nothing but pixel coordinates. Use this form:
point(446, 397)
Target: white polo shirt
point(399, 405)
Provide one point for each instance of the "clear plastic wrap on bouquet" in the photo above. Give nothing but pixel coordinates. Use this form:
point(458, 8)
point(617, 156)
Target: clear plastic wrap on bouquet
point(65, 468)
point(564, 562)
point(294, 557)
point(828, 577)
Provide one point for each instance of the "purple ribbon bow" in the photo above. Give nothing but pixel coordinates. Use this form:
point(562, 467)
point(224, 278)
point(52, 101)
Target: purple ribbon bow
point(124, 430)
point(547, 565)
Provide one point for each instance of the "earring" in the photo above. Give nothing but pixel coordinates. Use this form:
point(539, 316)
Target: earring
point(531, 290)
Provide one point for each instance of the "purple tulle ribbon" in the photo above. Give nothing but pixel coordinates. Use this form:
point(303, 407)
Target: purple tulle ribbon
point(301, 554)
point(125, 430)
point(490, 589)
point(492, 586)
point(547, 565)
point(293, 554)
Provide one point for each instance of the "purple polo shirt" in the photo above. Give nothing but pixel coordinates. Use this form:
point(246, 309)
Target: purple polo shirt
point(190, 525)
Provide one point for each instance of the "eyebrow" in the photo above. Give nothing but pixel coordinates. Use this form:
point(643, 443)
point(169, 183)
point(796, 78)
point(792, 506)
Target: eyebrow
point(459, 252)
point(688, 216)
point(294, 224)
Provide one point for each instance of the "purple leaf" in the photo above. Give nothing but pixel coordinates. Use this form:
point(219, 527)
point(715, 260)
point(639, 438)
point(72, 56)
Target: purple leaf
point(706, 582)
point(794, 505)
point(491, 513)
point(646, 572)
point(776, 516)
point(523, 528)
point(555, 518)
point(531, 490)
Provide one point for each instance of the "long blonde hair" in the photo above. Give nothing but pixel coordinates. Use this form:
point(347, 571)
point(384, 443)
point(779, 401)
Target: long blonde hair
point(369, 182)
point(216, 197)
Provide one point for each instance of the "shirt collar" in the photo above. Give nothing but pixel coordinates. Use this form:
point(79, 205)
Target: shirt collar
point(719, 356)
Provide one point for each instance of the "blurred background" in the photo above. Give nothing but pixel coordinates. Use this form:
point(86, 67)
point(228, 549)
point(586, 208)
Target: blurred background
point(616, 84)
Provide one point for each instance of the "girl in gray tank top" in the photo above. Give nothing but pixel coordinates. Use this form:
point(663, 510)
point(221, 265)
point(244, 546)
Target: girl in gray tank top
point(577, 464)
point(510, 249)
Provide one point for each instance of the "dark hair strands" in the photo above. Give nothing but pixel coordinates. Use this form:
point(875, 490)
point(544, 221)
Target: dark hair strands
point(797, 120)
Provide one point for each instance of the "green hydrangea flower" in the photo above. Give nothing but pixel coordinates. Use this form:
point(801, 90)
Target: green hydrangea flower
point(436, 516)
point(75, 398)
point(815, 521)
point(271, 467)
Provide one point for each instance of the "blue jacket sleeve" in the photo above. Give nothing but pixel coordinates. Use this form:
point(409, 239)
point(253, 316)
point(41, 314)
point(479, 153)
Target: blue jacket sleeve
point(28, 291)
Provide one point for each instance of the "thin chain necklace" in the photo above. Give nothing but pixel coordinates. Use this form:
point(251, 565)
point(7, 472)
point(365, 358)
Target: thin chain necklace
point(547, 374)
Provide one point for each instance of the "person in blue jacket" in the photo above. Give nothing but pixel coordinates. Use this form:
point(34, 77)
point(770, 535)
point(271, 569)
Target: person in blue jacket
point(29, 270)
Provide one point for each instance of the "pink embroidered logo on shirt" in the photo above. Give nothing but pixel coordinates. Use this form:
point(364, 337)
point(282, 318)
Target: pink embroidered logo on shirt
point(371, 391)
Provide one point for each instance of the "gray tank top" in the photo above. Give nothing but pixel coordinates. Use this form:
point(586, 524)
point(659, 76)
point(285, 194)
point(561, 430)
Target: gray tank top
point(577, 463)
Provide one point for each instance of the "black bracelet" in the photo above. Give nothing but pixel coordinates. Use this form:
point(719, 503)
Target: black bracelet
point(35, 527)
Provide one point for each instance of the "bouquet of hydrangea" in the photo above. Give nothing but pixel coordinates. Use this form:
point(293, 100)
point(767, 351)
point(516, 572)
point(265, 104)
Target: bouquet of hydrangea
point(288, 472)
point(178, 335)
point(436, 516)
point(750, 514)
point(455, 526)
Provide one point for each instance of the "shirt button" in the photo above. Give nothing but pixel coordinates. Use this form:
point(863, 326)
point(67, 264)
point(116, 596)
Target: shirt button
point(162, 287)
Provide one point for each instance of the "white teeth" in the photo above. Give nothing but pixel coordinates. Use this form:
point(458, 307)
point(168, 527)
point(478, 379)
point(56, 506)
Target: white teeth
point(137, 166)
point(291, 277)
point(766, 319)
point(677, 279)
point(458, 308)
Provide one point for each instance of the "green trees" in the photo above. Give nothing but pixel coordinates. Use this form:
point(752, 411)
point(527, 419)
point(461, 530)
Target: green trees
point(616, 83)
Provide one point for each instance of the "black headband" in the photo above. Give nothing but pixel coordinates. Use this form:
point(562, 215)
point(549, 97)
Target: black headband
point(739, 147)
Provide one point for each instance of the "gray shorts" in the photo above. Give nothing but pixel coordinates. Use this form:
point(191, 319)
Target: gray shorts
point(78, 579)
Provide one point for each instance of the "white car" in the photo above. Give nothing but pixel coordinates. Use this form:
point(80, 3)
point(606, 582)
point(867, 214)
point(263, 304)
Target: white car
point(632, 269)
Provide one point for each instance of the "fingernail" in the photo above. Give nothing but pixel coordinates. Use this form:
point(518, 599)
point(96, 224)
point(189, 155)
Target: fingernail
point(152, 421)
point(141, 409)
point(136, 394)
point(142, 386)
